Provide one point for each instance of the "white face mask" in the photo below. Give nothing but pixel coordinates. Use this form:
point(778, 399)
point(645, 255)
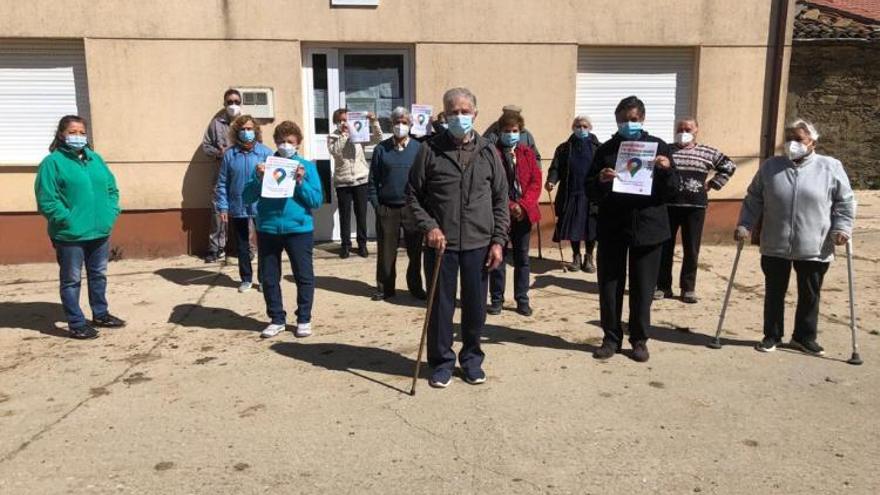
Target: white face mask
point(286, 150)
point(684, 138)
point(796, 150)
point(233, 110)
point(400, 130)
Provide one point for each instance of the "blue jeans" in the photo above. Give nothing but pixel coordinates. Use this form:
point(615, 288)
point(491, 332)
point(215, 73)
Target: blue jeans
point(470, 266)
point(242, 236)
point(71, 256)
point(299, 250)
point(520, 232)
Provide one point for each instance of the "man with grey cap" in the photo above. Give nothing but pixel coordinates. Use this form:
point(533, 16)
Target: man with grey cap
point(493, 133)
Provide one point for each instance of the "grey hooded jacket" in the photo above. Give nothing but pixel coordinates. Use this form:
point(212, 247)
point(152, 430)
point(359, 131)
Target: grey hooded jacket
point(801, 206)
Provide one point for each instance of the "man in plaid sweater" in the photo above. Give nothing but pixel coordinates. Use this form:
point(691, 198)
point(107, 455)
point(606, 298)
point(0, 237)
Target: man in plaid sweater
point(687, 211)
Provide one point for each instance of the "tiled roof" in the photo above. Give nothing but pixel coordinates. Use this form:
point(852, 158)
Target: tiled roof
point(863, 10)
point(827, 19)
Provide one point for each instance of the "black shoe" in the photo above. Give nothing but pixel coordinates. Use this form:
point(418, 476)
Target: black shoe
point(108, 321)
point(588, 265)
point(609, 348)
point(418, 294)
point(575, 264)
point(83, 332)
point(211, 258)
point(344, 253)
point(689, 297)
point(524, 309)
point(378, 296)
point(662, 294)
point(640, 351)
point(362, 252)
point(768, 344)
point(494, 308)
point(808, 346)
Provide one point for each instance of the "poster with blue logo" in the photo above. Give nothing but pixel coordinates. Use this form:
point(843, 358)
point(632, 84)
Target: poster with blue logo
point(278, 178)
point(635, 168)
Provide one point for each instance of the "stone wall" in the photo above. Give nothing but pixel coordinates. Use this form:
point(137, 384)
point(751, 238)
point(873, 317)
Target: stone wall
point(836, 85)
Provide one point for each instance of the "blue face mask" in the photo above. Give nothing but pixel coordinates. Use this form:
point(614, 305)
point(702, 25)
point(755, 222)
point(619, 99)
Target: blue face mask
point(76, 141)
point(630, 129)
point(582, 133)
point(460, 125)
point(247, 135)
point(509, 139)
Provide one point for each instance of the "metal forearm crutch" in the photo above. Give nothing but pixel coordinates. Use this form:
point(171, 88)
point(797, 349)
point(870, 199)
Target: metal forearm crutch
point(855, 359)
point(558, 243)
point(716, 342)
point(431, 292)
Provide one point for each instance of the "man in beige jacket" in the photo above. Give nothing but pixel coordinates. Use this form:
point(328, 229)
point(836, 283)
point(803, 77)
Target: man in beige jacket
point(350, 175)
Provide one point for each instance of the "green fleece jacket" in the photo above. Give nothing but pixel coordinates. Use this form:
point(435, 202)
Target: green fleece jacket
point(78, 196)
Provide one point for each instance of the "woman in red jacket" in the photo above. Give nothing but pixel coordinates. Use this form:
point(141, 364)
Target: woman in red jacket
point(524, 181)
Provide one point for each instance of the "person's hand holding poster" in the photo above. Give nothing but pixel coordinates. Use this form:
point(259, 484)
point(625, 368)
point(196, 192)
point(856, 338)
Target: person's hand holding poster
point(421, 116)
point(635, 168)
point(358, 127)
point(279, 178)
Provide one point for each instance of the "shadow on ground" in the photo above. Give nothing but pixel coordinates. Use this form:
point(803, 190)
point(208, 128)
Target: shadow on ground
point(359, 288)
point(195, 276)
point(36, 316)
point(198, 316)
point(572, 284)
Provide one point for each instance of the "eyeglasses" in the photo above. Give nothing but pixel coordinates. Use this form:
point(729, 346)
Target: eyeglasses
point(233, 102)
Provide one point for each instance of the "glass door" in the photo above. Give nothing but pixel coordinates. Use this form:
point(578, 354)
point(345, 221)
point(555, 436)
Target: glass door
point(374, 80)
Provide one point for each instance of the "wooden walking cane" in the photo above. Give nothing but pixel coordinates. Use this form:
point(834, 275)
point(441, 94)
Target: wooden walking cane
point(431, 291)
point(558, 243)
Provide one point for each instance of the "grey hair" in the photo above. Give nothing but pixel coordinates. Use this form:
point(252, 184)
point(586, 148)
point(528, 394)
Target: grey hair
point(582, 117)
point(806, 126)
point(451, 94)
point(686, 118)
point(399, 112)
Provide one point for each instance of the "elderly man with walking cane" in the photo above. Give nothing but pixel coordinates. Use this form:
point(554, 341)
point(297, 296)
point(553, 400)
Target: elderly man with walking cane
point(458, 197)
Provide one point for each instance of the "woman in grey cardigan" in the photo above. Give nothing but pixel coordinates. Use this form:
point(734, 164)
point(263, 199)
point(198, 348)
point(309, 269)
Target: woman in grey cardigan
point(806, 206)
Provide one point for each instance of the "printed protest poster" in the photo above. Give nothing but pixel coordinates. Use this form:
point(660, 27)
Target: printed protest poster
point(278, 178)
point(635, 168)
point(421, 115)
point(358, 127)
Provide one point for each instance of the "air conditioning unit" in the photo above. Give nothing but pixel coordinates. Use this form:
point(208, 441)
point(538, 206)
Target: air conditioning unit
point(258, 102)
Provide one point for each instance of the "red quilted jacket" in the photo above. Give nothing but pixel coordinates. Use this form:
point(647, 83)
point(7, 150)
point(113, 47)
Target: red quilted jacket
point(528, 175)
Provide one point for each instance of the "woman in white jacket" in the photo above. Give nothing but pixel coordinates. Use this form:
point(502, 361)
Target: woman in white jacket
point(806, 206)
point(350, 174)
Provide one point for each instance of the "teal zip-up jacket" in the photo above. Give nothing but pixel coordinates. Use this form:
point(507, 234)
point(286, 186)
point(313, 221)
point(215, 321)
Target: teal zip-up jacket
point(78, 197)
point(287, 215)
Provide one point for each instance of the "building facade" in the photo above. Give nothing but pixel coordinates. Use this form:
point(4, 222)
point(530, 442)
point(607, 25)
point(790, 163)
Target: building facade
point(151, 76)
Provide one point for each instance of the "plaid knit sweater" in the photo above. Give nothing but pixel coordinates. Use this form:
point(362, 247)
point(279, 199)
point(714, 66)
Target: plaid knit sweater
point(693, 166)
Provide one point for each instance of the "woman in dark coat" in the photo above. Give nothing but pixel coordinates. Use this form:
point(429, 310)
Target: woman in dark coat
point(575, 213)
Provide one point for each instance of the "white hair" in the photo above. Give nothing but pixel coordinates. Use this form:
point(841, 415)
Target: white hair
point(399, 112)
point(809, 128)
point(582, 118)
point(451, 94)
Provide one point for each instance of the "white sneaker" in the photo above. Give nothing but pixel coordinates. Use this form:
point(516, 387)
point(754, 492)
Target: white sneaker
point(245, 286)
point(303, 329)
point(272, 330)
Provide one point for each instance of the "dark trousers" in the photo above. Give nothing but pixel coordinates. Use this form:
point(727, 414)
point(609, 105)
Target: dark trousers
point(71, 256)
point(519, 241)
point(217, 236)
point(469, 265)
point(644, 261)
point(690, 221)
point(242, 227)
point(810, 275)
point(299, 250)
point(388, 223)
point(347, 196)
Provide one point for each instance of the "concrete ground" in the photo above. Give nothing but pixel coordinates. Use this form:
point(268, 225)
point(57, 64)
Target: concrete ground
point(188, 398)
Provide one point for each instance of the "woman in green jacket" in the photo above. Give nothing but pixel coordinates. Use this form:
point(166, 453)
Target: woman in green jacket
point(77, 194)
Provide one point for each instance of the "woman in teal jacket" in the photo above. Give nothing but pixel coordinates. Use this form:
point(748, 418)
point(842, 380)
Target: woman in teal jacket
point(77, 194)
point(285, 224)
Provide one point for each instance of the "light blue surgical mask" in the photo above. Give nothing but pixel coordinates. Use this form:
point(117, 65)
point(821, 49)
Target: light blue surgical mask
point(76, 141)
point(247, 135)
point(460, 125)
point(509, 139)
point(286, 150)
point(582, 133)
point(630, 130)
